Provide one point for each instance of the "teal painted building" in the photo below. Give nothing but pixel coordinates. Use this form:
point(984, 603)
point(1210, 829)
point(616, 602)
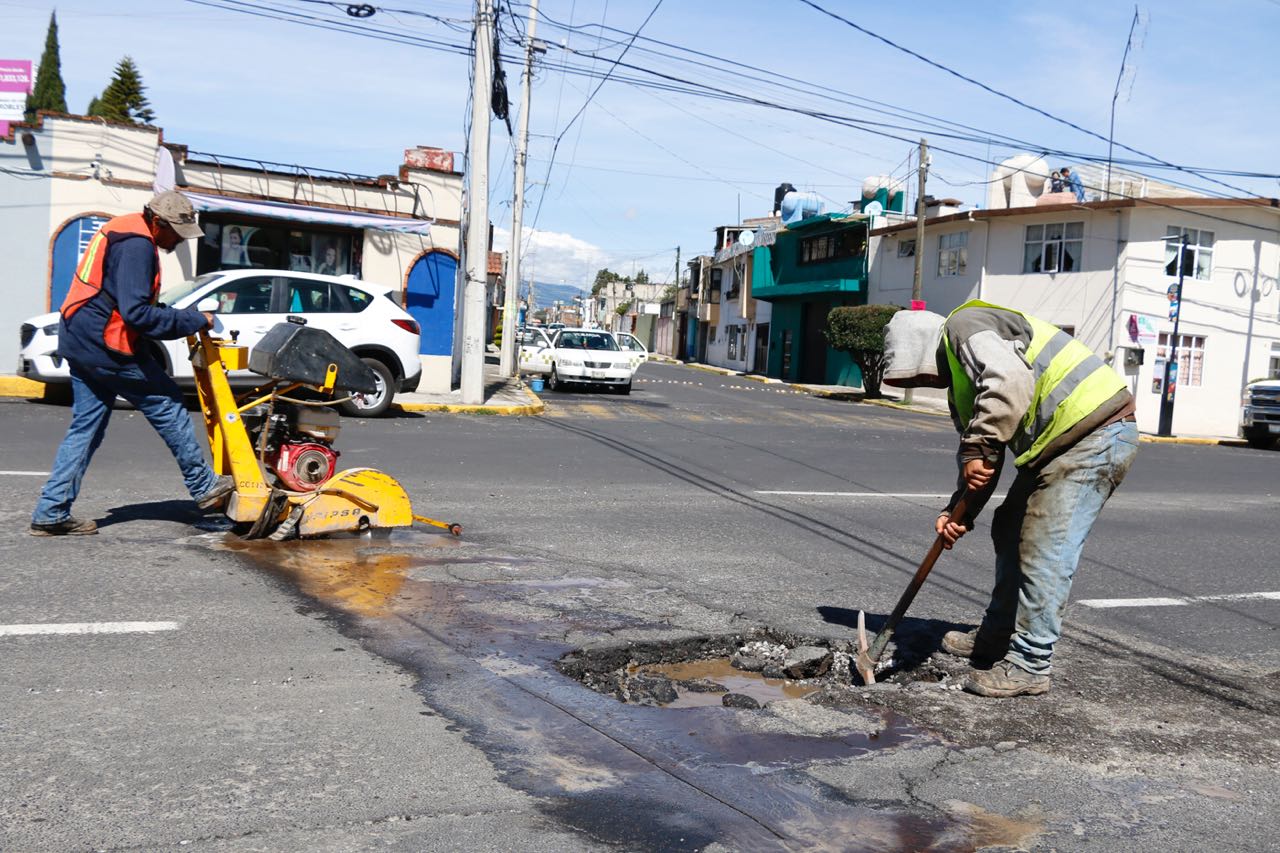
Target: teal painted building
point(812, 266)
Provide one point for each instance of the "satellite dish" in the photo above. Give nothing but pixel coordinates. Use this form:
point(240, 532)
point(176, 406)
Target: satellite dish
point(874, 208)
point(165, 178)
point(746, 238)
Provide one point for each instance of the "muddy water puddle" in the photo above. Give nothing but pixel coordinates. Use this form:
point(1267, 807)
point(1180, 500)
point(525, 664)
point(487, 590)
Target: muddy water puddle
point(705, 683)
point(488, 635)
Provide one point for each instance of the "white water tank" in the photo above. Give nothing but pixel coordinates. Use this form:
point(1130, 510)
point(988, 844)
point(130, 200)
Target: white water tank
point(1017, 182)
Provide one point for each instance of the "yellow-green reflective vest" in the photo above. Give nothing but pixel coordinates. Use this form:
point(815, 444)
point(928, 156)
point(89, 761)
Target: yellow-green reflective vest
point(1071, 383)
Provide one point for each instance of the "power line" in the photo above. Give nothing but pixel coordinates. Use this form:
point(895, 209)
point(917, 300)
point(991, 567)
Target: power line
point(1004, 95)
point(671, 82)
point(582, 109)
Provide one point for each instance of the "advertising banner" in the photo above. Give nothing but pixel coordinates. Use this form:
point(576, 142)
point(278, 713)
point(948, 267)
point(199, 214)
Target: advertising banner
point(15, 85)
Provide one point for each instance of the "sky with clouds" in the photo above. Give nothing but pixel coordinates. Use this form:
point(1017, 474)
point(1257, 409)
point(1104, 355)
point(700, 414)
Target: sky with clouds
point(640, 172)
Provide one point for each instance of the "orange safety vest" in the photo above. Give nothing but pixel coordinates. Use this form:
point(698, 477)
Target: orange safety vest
point(87, 283)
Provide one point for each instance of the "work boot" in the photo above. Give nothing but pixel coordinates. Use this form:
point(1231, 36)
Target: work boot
point(1005, 679)
point(218, 495)
point(66, 527)
point(965, 644)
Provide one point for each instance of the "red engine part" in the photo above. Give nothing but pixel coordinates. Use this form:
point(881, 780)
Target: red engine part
point(303, 467)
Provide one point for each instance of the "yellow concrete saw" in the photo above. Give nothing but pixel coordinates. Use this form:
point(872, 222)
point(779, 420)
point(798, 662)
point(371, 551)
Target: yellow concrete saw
point(279, 448)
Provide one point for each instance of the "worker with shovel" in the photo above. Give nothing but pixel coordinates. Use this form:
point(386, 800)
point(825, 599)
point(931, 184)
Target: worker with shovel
point(1018, 382)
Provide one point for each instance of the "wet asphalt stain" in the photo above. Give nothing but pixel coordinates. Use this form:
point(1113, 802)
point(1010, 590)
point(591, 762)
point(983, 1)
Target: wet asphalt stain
point(641, 777)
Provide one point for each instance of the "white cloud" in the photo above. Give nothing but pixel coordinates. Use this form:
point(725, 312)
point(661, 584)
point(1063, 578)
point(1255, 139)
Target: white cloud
point(554, 257)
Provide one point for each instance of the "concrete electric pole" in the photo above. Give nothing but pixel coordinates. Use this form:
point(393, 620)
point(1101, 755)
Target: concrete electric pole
point(508, 364)
point(917, 281)
point(476, 248)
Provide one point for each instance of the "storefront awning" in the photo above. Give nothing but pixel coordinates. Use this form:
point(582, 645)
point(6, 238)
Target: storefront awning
point(306, 213)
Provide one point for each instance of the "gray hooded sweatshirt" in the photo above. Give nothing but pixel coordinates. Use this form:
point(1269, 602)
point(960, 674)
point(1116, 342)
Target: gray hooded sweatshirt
point(990, 344)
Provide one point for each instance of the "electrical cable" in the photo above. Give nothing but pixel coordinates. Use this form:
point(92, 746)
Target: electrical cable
point(1004, 95)
point(681, 84)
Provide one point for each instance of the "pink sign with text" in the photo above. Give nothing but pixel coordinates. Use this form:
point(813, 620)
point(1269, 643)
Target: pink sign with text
point(15, 85)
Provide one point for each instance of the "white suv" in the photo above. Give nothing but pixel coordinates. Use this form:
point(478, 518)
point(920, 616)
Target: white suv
point(361, 315)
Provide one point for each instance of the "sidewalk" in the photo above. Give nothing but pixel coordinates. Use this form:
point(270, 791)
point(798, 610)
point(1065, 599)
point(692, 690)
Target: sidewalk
point(928, 401)
point(502, 396)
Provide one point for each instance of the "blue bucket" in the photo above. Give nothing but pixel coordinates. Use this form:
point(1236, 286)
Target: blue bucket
point(535, 385)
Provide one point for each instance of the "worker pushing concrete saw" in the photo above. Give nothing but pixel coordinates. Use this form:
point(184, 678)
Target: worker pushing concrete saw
point(1018, 382)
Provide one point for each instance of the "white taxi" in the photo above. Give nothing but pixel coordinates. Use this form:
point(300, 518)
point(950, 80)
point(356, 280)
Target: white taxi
point(581, 357)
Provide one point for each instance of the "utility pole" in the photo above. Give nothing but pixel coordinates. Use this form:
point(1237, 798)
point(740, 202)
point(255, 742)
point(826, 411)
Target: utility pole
point(917, 282)
point(476, 249)
point(675, 314)
point(507, 363)
point(1171, 363)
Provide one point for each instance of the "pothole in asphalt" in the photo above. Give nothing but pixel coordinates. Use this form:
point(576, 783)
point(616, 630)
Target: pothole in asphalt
point(744, 671)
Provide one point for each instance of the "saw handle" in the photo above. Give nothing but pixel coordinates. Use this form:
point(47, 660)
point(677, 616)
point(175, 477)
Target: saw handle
point(909, 594)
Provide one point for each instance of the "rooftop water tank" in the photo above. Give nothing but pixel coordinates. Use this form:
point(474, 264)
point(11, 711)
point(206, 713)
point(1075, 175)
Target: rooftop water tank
point(797, 206)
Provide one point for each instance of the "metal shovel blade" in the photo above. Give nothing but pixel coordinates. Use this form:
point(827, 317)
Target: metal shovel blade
point(863, 663)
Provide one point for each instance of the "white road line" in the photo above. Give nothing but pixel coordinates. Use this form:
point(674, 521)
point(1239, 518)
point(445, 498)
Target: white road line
point(858, 494)
point(24, 473)
point(86, 628)
point(1106, 603)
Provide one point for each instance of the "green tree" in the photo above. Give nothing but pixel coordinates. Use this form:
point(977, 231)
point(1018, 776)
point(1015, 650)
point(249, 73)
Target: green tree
point(859, 331)
point(622, 309)
point(124, 100)
point(603, 278)
point(642, 277)
point(49, 92)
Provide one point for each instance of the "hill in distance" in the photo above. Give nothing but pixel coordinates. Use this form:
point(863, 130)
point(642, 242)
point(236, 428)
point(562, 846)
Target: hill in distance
point(545, 293)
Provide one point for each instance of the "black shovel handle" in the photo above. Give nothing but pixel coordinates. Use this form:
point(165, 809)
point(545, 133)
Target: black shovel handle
point(917, 581)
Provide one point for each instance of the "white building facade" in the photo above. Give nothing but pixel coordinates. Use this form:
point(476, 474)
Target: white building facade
point(1103, 271)
point(63, 176)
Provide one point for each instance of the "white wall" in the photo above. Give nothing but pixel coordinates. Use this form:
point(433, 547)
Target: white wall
point(81, 166)
point(1122, 272)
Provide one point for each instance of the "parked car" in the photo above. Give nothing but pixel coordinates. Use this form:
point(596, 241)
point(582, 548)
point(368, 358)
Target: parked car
point(363, 316)
point(535, 350)
point(1260, 415)
point(631, 344)
point(579, 357)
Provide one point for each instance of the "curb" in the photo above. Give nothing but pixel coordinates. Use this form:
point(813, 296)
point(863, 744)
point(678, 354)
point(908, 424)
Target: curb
point(535, 408)
point(1174, 439)
point(16, 386)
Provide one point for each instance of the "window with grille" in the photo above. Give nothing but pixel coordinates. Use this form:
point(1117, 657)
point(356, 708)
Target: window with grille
point(1196, 258)
point(953, 253)
point(1055, 247)
point(1190, 360)
point(829, 247)
point(906, 248)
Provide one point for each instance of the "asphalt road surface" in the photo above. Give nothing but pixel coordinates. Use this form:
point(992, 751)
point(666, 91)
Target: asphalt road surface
point(404, 693)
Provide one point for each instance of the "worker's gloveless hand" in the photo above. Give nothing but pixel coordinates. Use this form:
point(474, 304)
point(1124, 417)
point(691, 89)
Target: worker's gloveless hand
point(208, 318)
point(978, 474)
point(949, 530)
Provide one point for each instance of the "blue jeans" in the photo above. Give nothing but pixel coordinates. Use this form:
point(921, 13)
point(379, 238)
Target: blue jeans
point(151, 392)
point(1039, 532)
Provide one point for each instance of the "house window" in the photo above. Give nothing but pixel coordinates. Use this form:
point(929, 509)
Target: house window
point(1053, 248)
point(829, 247)
point(906, 248)
point(1273, 369)
point(231, 243)
point(732, 291)
point(733, 343)
point(717, 276)
point(953, 253)
point(1196, 259)
point(1190, 361)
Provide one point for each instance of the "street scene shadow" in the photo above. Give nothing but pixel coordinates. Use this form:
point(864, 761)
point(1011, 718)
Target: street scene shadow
point(179, 511)
point(915, 638)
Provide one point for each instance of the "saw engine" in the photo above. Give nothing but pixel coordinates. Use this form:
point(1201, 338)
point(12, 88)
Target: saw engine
point(295, 444)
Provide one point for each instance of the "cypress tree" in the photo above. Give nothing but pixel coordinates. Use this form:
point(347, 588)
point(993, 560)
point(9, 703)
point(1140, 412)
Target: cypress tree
point(49, 92)
point(124, 99)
